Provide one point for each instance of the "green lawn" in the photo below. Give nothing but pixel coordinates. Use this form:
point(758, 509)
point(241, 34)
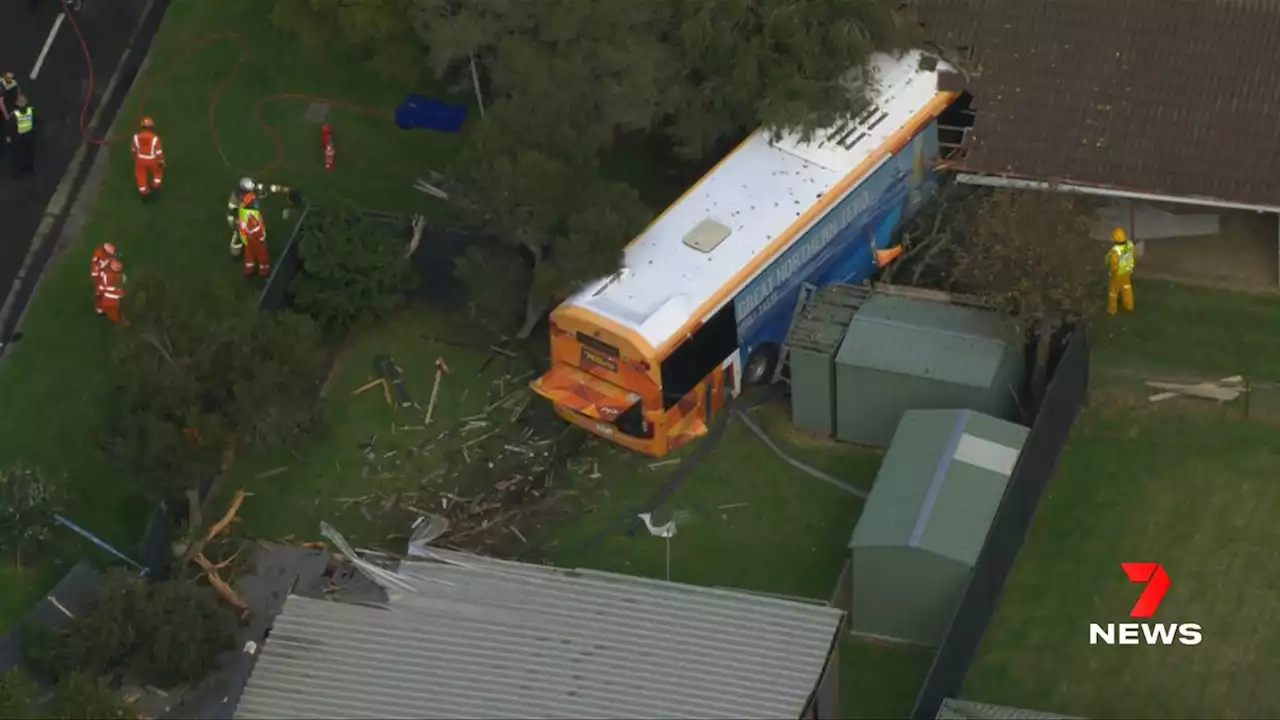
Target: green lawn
point(52, 384)
point(1187, 483)
point(880, 680)
point(744, 518)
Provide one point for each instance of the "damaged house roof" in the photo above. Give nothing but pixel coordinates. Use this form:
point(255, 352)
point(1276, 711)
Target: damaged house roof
point(1177, 97)
point(472, 637)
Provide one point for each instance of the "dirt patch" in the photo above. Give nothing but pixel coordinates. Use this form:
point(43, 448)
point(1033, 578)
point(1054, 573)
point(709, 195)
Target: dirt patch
point(1242, 255)
point(337, 361)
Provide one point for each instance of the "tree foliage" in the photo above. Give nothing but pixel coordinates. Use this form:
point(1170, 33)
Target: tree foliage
point(372, 31)
point(169, 633)
point(354, 269)
point(19, 695)
point(82, 696)
point(28, 502)
point(1031, 255)
point(556, 207)
point(191, 377)
point(562, 81)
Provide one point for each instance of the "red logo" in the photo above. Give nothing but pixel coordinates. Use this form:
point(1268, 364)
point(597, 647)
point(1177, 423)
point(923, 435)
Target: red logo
point(1157, 582)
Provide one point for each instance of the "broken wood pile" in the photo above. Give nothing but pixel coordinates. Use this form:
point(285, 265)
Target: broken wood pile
point(483, 474)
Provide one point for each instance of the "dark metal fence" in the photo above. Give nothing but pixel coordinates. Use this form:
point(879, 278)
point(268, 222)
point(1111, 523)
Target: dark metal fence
point(1036, 464)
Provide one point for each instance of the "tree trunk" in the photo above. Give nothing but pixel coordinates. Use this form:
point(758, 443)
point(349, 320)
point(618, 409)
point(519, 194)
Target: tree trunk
point(535, 304)
point(1040, 372)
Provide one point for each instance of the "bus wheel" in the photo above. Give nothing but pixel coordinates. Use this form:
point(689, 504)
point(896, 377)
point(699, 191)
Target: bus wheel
point(759, 370)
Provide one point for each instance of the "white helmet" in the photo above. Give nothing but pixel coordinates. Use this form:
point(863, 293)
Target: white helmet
point(247, 184)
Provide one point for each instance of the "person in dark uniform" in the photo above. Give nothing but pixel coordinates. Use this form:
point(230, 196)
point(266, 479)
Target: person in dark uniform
point(9, 91)
point(22, 138)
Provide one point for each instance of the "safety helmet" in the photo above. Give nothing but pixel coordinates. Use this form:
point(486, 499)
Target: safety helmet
point(116, 266)
point(248, 199)
point(247, 184)
point(109, 248)
point(1119, 236)
point(148, 123)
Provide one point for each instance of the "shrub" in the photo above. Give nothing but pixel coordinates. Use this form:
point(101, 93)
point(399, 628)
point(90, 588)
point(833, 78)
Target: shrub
point(28, 502)
point(170, 633)
point(18, 695)
point(188, 630)
point(353, 269)
point(190, 378)
point(82, 696)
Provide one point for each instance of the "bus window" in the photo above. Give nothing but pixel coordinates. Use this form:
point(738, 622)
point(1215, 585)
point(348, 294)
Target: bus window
point(697, 356)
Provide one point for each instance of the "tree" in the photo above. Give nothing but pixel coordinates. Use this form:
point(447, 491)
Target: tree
point(28, 502)
point(170, 633)
point(190, 376)
point(81, 696)
point(563, 81)
point(19, 695)
point(1031, 255)
point(570, 223)
point(354, 269)
point(372, 31)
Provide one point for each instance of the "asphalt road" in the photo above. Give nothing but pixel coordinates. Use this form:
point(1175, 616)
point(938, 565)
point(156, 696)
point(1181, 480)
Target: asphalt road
point(57, 93)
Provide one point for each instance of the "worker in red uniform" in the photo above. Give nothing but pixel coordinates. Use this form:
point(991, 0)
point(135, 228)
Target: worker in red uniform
point(102, 258)
point(148, 158)
point(112, 284)
point(253, 234)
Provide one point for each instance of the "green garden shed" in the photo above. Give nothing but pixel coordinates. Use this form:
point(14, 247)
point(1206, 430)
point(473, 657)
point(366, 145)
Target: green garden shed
point(814, 339)
point(926, 520)
point(906, 353)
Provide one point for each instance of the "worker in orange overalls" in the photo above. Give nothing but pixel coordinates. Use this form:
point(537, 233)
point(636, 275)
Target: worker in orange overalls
point(1121, 259)
point(253, 234)
point(102, 258)
point(148, 158)
point(112, 283)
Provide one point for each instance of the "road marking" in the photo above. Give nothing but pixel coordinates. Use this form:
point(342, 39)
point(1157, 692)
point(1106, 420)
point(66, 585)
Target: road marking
point(48, 43)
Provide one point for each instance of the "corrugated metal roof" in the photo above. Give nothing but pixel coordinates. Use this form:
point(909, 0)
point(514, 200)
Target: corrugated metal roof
point(484, 638)
point(953, 709)
point(951, 343)
point(940, 483)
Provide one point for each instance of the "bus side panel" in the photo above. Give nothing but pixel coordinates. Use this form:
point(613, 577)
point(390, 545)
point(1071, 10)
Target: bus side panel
point(838, 247)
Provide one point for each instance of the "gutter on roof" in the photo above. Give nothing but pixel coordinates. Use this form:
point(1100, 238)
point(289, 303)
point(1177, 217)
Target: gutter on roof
point(1005, 181)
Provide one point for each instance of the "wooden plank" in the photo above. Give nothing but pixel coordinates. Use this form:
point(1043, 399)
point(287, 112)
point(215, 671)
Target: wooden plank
point(1209, 391)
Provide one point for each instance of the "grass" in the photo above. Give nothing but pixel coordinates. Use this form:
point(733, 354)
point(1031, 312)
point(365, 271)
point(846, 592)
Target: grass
point(745, 519)
point(53, 382)
point(292, 494)
point(880, 680)
point(1187, 483)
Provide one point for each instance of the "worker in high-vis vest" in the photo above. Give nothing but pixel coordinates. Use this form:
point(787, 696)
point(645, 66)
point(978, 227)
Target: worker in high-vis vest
point(255, 191)
point(253, 235)
point(1121, 259)
point(22, 138)
point(111, 283)
point(98, 266)
point(148, 158)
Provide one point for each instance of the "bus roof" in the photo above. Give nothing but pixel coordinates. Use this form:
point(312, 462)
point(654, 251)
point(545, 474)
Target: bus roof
point(756, 193)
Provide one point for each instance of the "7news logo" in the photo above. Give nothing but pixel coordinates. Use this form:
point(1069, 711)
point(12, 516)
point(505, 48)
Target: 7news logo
point(1157, 584)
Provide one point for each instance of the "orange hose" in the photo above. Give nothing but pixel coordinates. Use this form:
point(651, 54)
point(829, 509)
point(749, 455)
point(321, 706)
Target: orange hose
point(214, 99)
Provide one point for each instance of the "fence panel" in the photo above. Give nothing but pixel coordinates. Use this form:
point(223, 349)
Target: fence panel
point(1036, 464)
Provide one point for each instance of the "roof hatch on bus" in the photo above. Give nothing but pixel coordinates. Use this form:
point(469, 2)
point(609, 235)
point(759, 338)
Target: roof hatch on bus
point(584, 393)
point(707, 235)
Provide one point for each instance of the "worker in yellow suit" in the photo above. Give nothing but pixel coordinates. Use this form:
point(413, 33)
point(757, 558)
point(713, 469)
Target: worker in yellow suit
point(1120, 262)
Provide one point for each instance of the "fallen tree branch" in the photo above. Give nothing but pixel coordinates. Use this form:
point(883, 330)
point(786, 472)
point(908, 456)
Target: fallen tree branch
point(213, 531)
point(220, 586)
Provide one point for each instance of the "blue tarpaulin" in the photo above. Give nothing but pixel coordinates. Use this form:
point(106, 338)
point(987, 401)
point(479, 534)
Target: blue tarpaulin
point(419, 112)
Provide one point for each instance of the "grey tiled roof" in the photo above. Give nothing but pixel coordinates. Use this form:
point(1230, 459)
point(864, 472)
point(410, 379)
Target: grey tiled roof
point(471, 637)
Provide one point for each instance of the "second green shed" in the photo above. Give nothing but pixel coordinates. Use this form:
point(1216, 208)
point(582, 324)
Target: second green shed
point(905, 353)
point(814, 339)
